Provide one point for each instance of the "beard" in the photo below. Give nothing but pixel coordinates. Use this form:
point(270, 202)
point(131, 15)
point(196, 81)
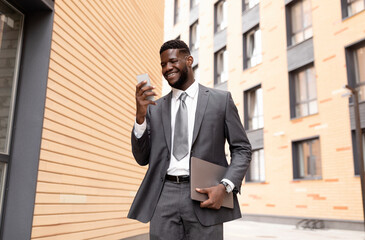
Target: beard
point(182, 79)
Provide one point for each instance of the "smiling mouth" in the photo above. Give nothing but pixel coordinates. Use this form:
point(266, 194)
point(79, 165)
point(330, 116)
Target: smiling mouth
point(170, 75)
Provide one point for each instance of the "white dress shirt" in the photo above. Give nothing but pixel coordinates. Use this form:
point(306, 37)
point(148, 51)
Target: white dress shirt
point(178, 168)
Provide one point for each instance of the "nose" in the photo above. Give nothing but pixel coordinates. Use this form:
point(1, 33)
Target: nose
point(168, 67)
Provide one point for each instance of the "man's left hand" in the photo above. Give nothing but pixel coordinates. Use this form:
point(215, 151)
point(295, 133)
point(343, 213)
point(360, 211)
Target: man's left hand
point(215, 196)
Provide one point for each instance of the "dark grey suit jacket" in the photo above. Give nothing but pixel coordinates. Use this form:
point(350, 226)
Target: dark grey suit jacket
point(216, 120)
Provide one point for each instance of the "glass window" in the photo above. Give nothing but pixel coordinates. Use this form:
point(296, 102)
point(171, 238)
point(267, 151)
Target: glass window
point(307, 159)
point(196, 73)
point(354, 6)
point(176, 11)
point(359, 71)
point(194, 3)
point(256, 171)
point(221, 60)
point(252, 48)
point(255, 112)
point(11, 26)
point(305, 92)
point(301, 21)
point(221, 15)
point(194, 36)
point(250, 4)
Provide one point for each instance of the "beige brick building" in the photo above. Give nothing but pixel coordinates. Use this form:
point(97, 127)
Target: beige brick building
point(67, 84)
point(286, 63)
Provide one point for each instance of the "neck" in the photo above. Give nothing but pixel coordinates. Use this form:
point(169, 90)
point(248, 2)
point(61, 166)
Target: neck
point(188, 83)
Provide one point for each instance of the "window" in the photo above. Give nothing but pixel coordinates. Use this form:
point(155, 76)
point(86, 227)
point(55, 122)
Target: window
point(303, 92)
point(256, 171)
point(355, 67)
point(351, 7)
point(176, 11)
point(194, 3)
point(248, 4)
point(11, 26)
point(220, 16)
point(252, 48)
point(254, 113)
point(300, 25)
point(221, 66)
point(196, 73)
point(194, 36)
point(307, 159)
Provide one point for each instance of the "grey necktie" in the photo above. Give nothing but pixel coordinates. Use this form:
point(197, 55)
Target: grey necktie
point(181, 142)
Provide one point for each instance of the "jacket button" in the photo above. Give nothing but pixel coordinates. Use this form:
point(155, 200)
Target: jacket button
point(161, 179)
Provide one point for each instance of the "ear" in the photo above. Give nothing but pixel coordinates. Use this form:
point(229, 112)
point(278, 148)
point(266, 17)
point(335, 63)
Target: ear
point(189, 61)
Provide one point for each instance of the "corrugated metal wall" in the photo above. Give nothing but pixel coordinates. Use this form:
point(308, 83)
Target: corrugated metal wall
point(87, 175)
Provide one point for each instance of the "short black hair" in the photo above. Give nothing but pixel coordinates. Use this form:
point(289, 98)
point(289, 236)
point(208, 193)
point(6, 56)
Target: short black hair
point(175, 44)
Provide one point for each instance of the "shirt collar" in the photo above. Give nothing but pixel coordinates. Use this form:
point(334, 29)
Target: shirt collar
point(191, 91)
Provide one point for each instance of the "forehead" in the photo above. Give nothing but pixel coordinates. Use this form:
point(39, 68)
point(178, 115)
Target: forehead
point(169, 54)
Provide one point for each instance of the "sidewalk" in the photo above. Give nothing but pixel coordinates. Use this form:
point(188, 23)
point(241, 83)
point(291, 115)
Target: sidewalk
point(247, 230)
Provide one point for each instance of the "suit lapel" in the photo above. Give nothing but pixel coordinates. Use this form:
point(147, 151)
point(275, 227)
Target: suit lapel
point(166, 119)
point(200, 110)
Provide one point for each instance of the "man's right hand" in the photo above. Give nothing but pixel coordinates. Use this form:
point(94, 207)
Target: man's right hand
point(141, 101)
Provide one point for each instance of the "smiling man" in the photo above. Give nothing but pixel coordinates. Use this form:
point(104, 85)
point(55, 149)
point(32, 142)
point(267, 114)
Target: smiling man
point(192, 120)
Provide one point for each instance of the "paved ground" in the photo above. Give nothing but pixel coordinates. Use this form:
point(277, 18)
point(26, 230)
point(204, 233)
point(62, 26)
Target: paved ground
point(246, 230)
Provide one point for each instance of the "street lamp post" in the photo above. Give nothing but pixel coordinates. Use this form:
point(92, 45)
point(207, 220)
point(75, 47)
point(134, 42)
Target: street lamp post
point(359, 148)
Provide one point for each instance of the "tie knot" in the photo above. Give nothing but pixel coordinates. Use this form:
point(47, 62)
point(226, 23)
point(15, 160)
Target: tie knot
point(183, 96)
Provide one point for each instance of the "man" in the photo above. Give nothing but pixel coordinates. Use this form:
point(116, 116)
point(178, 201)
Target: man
point(192, 120)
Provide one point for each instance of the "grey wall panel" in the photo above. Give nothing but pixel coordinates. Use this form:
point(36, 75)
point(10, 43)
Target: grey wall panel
point(250, 18)
point(28, 124)
point(300, 54)
point(221, 86)
point(194, 15)
point(256, 138)
point(220, 40)
point(195, 55)
point(288, 1)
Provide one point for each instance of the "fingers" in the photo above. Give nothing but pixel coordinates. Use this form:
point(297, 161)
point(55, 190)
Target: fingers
point(142, 92)
point(215, 197)
point(206, 204)
point(201, 190)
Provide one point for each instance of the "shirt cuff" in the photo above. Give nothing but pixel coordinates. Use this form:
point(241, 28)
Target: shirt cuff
point(229, 183)
point(139, 128)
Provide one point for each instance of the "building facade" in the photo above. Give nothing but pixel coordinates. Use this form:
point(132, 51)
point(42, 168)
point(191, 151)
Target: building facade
point(67, 85)
point(286, 63)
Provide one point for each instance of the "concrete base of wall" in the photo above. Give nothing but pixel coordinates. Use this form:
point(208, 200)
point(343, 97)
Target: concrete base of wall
point(328, 223)
point(138, 237)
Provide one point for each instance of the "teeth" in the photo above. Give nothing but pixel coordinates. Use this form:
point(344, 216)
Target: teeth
point(170, 74)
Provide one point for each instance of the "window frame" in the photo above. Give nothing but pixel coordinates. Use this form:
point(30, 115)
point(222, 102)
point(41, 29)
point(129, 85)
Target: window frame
point(295, 159)
point(344, 9)
point(192, 45)
point(177, 11)
point(247, 116)
point(246, 59)
point(261, 169)
point(246, 8)
point(293, 95)
point(216, 75)
point(216, 5)
point(289, 23)
point(351, 66)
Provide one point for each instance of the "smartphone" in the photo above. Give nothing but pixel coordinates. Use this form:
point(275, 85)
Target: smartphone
point(145, 77)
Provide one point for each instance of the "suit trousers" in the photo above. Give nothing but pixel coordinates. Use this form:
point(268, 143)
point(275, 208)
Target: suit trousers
point(175, 219)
